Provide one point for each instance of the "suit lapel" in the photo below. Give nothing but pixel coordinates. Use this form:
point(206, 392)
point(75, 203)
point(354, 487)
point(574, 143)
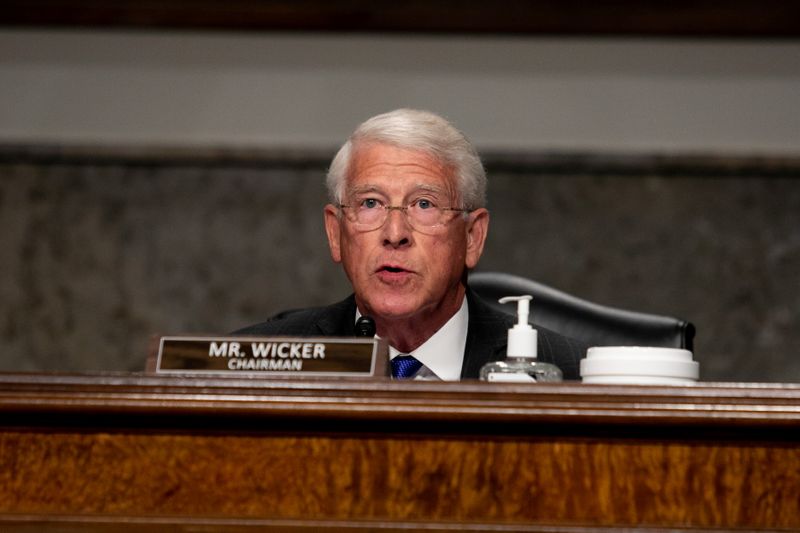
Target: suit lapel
point(487, 332)
point(339, 319)
point(487, 336)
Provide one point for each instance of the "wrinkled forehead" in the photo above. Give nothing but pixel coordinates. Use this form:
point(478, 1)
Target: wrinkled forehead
point(397, 170)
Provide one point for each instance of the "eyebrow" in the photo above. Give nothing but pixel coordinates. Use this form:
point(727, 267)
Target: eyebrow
point(363, 189)
point(420, 187)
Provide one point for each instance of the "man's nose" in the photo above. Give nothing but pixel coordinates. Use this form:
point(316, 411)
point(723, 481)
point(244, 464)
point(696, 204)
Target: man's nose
point(396, 230)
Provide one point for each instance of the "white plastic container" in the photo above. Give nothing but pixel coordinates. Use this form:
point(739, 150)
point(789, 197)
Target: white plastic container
point(639, 365)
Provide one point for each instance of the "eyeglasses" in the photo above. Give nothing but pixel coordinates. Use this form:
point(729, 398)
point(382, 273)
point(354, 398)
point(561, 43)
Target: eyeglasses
point(422, 215)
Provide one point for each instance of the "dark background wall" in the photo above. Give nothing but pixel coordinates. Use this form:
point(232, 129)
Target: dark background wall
point(102, 248)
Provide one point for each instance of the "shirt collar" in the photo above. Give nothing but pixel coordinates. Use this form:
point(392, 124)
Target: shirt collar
point(443, 353)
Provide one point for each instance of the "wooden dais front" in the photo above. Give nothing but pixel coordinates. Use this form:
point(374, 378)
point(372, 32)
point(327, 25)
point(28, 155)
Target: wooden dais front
point(143, 450)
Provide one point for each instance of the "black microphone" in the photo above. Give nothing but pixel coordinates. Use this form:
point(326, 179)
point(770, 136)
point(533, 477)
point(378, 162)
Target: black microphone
point(365, 327)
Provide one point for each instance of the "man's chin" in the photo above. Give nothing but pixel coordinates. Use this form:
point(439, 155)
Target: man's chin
point(392, 308)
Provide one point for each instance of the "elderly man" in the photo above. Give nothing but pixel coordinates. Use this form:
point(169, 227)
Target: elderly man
point(407, 220)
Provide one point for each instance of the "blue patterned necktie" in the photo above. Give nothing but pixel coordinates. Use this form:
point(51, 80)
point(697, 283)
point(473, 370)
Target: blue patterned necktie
point(405, 366)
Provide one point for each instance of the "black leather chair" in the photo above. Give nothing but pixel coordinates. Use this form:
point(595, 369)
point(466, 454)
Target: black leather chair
point(594, 324)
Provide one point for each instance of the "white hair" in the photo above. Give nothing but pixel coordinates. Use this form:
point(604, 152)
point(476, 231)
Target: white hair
point(413, 129)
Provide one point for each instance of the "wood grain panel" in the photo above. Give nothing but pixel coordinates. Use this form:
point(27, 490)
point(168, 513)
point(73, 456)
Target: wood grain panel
point(394, 478)
point(135, 447)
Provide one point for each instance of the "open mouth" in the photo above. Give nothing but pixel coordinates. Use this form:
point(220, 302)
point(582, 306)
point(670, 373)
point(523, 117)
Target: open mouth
point(392, 269)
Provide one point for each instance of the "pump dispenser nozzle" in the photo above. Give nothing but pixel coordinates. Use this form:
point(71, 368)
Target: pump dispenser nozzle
point(522, 338)
point(520, 365)
point(523, 307)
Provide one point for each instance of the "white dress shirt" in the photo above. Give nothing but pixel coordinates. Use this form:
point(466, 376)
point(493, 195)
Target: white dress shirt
point(442, 355)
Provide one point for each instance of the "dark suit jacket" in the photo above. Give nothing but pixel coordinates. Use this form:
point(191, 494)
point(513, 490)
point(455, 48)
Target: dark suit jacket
point(487, 334)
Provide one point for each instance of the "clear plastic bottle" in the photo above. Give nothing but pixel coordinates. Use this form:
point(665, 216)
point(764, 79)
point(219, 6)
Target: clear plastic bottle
point(520, 370)
point(520, 365)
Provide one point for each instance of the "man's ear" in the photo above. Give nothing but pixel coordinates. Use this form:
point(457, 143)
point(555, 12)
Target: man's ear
point(477, 229)
point(333, 228)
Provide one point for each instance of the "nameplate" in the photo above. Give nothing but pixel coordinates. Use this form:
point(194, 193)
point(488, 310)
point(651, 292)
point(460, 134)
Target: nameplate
point(272, 356)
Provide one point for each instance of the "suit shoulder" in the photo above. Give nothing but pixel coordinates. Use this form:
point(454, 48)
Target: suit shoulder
point(331, 320)
point(293, 322)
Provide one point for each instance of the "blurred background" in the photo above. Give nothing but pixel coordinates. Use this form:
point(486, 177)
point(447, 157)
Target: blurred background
point(162, 166)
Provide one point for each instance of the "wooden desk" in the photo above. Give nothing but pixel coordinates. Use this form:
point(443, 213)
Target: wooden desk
point(132, 452)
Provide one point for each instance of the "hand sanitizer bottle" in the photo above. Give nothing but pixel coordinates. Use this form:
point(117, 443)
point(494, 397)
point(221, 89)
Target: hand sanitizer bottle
point(520, 365)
